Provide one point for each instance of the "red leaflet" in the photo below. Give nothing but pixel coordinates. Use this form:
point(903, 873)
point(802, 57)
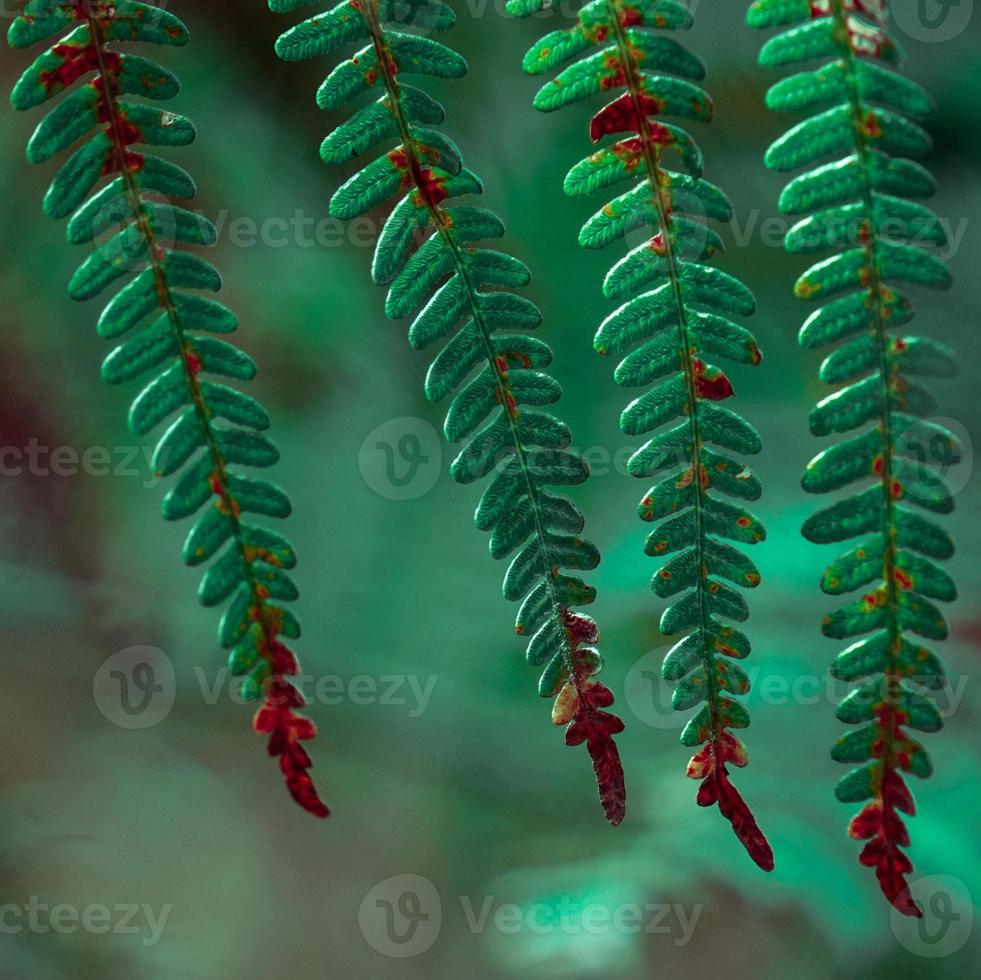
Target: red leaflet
point(286, 729)
point(596, 728)
point(708, 764)
point(580, 702)
point(880, 824)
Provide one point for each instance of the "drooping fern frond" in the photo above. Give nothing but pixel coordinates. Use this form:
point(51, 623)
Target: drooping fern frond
point(863, 206)
point(488, 354)
point(118, 198)
point(677, 312)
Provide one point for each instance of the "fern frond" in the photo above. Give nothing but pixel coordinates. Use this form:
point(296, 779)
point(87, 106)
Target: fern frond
point(857, 107)
point(489, 358)
point(163, 325)
point(676, 313)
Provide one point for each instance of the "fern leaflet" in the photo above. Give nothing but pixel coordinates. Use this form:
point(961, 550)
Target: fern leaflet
point(163, 325)
point(525, 448)
point(677, 323)
point(857, 107)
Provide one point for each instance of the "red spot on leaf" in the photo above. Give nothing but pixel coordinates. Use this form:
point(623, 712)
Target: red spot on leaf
point(76, 62)
point(871, 126)
point(660, 135)
point(710, 382)
point(621, 115)
point(432, 186)
point(631, 17)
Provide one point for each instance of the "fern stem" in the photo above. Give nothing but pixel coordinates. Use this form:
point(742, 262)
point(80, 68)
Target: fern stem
point(888, 722)
point(444, 227)
point(153, 251)
point(655, 178)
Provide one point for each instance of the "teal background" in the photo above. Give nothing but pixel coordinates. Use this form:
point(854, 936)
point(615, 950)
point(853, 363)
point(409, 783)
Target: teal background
point(477, 794)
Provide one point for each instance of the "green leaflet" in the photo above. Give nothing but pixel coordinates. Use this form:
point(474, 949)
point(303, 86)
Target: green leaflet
point(813, 91)
point(818, 39)
point(677, 311)
point(132, 21)
point(460, 294)
point(683, 193)
point(415, 55)
point(376, 122)
point(859, 206)
point(832, 132)
point(843, 180)
point(848, 224)
point(619, 161)
point(596, 73)
point(113, 191)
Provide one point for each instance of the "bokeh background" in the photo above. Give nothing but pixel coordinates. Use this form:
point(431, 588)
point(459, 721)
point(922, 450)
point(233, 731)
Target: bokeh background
point(468, 787)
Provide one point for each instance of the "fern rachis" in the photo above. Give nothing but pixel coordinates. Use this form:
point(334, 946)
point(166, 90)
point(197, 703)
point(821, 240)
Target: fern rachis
point(525, 449)
point(684, 317)
point(857, 106)
point(251, 563)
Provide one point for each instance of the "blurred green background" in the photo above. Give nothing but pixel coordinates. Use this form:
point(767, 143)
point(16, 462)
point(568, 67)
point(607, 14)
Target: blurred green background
point(472, 789)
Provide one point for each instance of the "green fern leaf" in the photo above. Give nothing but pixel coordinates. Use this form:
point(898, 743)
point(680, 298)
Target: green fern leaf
point(460, 296)
point(163, 330)
point(676, 312)
point(860, 112)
